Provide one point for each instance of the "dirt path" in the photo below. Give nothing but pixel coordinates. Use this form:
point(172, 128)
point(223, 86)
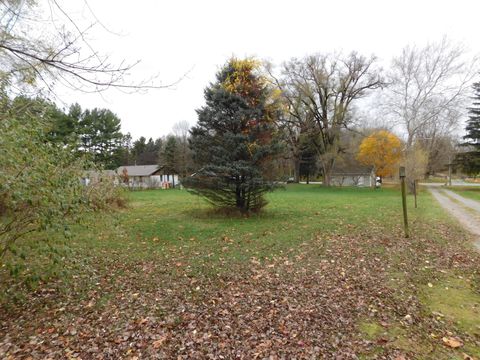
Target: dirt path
point(471, 221)
point(472, 204)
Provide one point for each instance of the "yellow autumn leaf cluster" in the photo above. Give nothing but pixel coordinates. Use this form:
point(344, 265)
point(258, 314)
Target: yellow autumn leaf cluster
point(247, 80)
point(243, 80)
point(383, 150)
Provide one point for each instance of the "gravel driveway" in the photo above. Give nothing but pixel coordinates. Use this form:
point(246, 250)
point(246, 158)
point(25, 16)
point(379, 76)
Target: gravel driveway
point(466, 211)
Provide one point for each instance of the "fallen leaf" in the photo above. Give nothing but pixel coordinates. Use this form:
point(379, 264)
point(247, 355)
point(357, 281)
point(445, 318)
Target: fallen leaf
point(382, 340)
point(157, 343)
point(452, 342)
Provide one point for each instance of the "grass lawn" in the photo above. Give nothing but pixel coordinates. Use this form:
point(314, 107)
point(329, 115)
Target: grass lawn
point(435, 179)
point(471, 192)
point(321, 272)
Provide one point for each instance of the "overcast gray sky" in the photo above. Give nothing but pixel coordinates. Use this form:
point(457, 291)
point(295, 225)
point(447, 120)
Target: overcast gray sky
point(172, 38)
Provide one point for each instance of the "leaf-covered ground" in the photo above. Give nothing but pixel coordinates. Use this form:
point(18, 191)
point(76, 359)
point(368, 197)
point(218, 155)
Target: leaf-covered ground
point(322, 273)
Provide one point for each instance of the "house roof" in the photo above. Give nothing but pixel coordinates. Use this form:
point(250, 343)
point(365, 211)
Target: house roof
point(139, 170)
point(350, 167)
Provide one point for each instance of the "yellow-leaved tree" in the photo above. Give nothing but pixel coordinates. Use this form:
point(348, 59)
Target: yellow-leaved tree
point(382, 150)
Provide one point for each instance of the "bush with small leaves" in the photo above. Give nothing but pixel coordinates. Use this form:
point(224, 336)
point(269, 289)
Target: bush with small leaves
point(40, 188)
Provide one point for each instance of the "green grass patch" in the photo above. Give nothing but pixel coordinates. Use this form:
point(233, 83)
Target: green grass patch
point(371, 330)
point(169, 219)
point(455, 299)
point(392, 336)
point(471, 192)
point(436, 179)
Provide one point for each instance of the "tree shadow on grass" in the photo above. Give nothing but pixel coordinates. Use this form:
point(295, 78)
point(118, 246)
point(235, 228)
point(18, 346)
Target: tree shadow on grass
point(228, 213)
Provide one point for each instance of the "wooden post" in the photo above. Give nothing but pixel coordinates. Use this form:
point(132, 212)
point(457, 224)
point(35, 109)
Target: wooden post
point(404, 200)
point(415, 192)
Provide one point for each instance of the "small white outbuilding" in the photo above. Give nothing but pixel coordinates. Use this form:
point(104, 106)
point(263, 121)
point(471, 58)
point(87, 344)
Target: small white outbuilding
point(352, 174)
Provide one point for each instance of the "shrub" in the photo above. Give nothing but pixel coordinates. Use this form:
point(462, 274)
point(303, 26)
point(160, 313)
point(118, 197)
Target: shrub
point(103, 195)
point(40, 185)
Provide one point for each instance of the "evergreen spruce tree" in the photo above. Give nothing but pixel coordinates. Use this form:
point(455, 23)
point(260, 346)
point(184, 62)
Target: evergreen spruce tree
point(234, 141)
point(470, 160)
point(473, 124)
point(169, 157)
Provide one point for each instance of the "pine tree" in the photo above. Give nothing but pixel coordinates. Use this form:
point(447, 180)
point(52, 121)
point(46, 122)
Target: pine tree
point(169, 155)
point(234, 140)
point(473, 123)
point(470, 160)
point(101, 136)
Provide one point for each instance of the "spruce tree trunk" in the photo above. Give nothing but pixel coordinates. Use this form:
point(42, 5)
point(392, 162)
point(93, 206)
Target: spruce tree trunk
point(244, 204)
point(239, 201)
point(238, 195)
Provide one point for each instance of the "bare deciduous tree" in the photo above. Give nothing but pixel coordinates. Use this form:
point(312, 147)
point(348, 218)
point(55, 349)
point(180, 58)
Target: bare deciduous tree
point(416, 161)
point(326, 86)
point(295, 123)
point(427, 89)
point(440, 149)
point(45, 51)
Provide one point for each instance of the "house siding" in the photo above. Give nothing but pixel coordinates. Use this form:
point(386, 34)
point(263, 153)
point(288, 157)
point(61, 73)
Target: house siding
point(153, 181)
point(361, 180)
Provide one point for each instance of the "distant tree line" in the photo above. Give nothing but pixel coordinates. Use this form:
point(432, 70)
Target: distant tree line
point(326, 109)
point(171, 151)
point(96, 133)
point(326, 106)
point(333, 101)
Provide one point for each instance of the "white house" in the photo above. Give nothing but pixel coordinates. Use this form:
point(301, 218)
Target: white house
point(147, 177)
point(349, 173)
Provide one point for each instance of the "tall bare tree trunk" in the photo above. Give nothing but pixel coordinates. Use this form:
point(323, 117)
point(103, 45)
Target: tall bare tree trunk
point(296, 170)
point(327, 170)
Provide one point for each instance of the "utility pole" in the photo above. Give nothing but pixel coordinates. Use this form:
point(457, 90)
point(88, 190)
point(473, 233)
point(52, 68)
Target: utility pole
point(404, 200)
